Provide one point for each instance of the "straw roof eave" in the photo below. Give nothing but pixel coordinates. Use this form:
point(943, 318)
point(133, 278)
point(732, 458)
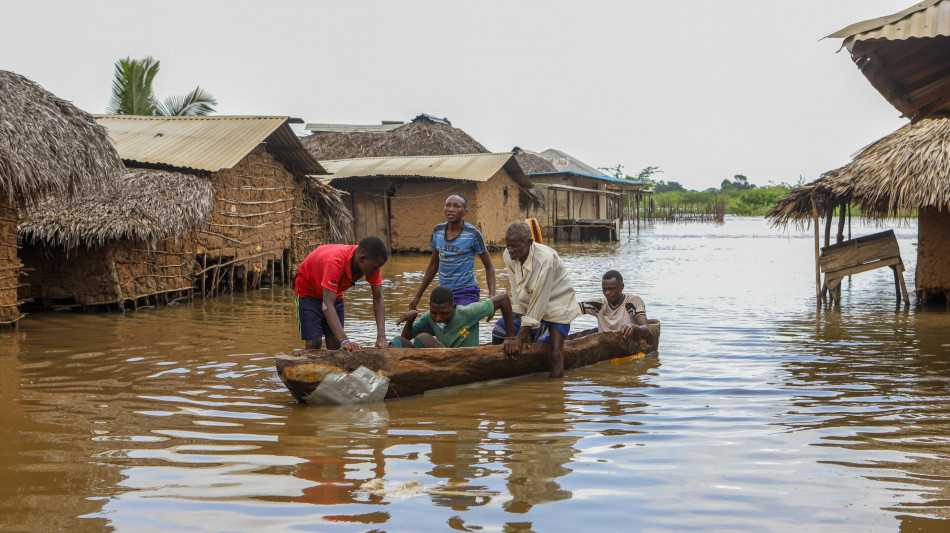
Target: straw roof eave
point(906, 170)
point(48, 146)
point(329, 201)
point(143, 205)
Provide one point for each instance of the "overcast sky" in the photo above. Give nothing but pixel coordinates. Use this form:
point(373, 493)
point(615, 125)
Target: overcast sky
point(703, 89)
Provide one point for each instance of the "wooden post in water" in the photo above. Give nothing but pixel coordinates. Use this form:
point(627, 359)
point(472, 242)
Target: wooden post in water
point(638, 212)
point(841, 214)
point(828, 227)
point(838, 239)
point(814, 208)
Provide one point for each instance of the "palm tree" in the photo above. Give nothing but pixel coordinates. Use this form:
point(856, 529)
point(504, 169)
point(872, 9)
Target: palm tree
point(132, 93)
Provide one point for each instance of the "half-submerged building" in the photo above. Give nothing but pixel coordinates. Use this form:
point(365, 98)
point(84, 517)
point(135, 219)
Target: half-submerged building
point(48, 148)
point(581, 203)
point(400, 199)
point(267, 214)
point(905, 56)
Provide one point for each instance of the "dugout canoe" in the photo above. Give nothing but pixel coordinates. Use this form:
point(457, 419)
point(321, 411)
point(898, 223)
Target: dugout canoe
point(415, 371)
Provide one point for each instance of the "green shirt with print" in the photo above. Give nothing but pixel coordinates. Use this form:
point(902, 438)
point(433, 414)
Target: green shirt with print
point(462, 330)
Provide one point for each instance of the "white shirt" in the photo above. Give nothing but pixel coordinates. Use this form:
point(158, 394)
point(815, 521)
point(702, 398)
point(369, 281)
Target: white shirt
point(541, 288)
point(610, 318)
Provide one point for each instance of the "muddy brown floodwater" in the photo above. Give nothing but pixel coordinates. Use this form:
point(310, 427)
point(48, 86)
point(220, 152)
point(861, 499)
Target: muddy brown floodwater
point(761, 412)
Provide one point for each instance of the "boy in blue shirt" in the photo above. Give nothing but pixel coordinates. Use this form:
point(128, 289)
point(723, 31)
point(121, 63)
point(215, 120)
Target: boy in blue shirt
point(455, 243)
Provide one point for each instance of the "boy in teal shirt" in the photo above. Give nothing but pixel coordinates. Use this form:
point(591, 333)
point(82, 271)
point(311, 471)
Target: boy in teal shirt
point(446, 325)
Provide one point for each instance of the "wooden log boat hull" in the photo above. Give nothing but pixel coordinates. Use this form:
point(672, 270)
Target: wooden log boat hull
point(415, 371)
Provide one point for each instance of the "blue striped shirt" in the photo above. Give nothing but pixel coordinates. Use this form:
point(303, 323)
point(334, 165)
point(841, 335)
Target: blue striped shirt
point(457, 257)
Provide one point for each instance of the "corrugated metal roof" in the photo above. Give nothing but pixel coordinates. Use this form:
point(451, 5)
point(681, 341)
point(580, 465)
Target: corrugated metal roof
point(354, 128)
point(621, 183)
point(468, 167)
point(205, 143)
point(567, 163)
point(926, 19)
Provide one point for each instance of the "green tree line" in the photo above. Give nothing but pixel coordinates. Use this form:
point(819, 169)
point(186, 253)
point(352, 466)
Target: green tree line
point(736, 196)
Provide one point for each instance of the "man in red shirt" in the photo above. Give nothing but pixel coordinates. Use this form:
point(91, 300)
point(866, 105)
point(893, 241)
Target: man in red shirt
point(319, 284)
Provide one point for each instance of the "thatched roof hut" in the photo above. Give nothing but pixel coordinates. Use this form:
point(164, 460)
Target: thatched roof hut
point(126, 244)
point(532, 162)
point(906, 170)
point(48, 147)
point(905, 57)
point(143, 205)
point(267, 214)
point(425, 135)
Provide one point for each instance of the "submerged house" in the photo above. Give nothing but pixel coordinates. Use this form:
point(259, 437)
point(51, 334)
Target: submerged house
point(399, 174)
point(581, 202)
point(266, 214)
point(906, 170)
point(128, 243)
point(48, 148)
point(400, 199)
point(905, 56)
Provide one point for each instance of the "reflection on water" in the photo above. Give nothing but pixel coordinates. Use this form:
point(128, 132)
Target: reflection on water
point(761, 412)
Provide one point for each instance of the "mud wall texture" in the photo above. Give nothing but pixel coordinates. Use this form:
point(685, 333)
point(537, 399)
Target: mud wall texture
point(9, 262)
point(120, 274)
point(309, 227)
point(496, 205)
point(933, 250)
point(417, 207)
point(252, 214)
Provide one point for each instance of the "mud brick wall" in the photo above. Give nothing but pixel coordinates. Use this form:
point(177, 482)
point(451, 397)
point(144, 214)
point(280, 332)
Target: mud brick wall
point(107, 275)
point(309, 227)
point(253, 211)
point(933, 250)
point(417, 207)
point(9, 262)
point(495, 207)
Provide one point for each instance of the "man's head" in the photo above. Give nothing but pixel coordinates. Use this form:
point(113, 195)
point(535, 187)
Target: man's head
point(612, 285)
point(518, 240)
point(371, 254)
point(456, 207)
point(441, 305)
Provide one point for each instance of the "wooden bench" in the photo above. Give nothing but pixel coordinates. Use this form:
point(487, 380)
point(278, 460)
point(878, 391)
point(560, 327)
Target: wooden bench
point(860, 255)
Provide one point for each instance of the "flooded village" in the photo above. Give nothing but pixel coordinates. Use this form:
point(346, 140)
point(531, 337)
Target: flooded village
point(149, 307)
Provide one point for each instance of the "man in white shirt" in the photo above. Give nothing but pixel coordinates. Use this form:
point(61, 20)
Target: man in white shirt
point(542, 297)
point(617, 311)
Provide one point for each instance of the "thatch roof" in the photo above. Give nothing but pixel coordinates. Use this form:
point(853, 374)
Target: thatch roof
point(905, 170)
point(47, 144)
point(532, 162)
point(330, 201)
point(422, 136)
point(143, 205)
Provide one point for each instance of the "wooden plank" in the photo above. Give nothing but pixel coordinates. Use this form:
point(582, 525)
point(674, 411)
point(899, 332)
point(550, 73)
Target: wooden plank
point(857, 254)
point(849, 271)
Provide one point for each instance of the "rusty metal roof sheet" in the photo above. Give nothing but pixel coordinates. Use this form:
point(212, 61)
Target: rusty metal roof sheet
point(926, 19)
point(468, 167)
point(206, 143)
point(906, 57)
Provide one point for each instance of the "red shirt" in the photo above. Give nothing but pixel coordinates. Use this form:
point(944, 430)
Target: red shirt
point(328, 267)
